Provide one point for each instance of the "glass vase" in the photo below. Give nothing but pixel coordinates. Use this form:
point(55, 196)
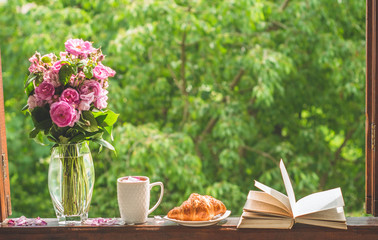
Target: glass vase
point(71, 179)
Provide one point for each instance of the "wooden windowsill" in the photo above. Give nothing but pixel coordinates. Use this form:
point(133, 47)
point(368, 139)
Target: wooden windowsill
point(358, 228)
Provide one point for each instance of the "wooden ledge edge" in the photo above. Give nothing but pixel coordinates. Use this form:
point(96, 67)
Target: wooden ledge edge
point(231, 222)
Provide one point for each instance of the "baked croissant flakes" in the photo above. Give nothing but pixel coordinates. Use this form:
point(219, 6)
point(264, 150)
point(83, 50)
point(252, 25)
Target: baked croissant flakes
point(198, 208)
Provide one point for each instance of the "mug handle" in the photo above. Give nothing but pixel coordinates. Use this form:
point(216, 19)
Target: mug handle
point(161, 195)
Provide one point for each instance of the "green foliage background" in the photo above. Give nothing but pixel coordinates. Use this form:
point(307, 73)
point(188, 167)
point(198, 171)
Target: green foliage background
point(211, 94)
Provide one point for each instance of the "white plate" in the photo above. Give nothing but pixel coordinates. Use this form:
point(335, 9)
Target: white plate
point(200, 223)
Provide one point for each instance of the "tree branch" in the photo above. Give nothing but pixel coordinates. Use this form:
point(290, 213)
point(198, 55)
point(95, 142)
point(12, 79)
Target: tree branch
point(284, 5)
point(337, 157)
point(338, 151)
point(244, 90)
point(236, 79)
point(213, 121)
point(183, 62)
point(209, 127)
point(275, 26)
point(262, 153)
point(278, 25)
point(174, 77)
point(185, 114)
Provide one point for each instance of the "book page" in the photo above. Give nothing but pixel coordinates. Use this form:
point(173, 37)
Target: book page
point(247, 214)
point(322, 223)
point(263, 207)
point(288, 187)
point(334, 214)
point(266, 223)
point(274, 193)
point(319, 202)
point(267, 198)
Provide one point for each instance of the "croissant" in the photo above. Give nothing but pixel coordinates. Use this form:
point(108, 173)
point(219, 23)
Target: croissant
point(198, 208)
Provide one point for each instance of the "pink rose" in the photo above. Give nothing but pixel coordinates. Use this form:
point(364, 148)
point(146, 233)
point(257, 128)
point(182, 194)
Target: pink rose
point(32, 68)
point(102, 72)
point(101, 102)
point(52, 77)
point(63, 114)
point(77, 117)
point(56, 67)
point(73, 81)
point(78, 47)
point(33, 102)
point(99, 95)
point(91, 86)
point(111, 72)
point(77, 79)
point(35, 58)
point(63, 55)
point(36, 68)
point(86, 100)
point(45, 91)
point(70, 96)
point(81, 75)
point(84, 106)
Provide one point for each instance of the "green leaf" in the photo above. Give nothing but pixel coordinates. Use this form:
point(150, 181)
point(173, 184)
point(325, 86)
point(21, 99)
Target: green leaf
point(88, 122)
point(82, 63)
point(28, 83)
point(39, 139)
point(52, 139)
point(26, 107)
point(29, 89)
point(78, 138)
point(71, 132)
point(63, 139)
point(56, 131)
point(38, 80)
point(34, 132)
point(30, 80)
point(66, 72)
point(88, 71)
point(106, 118)
point(65, 62)
point(109, 130)
point(41, 118)
point(100, 119)
point(104, 143)
point(92, 135)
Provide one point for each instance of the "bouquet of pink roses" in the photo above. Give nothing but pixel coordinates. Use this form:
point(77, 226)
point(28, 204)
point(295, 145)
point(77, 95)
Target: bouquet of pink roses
point(67, 96)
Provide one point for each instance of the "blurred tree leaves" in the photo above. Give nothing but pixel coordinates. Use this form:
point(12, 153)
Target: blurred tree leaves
point(211, 94)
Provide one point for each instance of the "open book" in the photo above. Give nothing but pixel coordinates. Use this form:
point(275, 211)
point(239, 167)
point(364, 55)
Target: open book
point(269, 208)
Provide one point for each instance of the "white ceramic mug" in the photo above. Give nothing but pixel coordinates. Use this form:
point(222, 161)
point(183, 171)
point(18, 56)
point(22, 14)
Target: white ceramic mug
point(133, 195)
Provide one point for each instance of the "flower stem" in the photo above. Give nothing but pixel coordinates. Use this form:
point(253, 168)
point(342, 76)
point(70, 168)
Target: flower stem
point(75, 185)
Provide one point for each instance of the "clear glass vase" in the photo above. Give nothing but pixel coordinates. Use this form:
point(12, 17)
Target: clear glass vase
point(71, 179)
